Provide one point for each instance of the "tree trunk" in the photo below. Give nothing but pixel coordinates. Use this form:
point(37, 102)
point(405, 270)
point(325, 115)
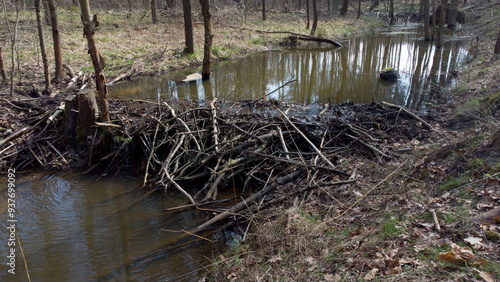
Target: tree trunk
point(42, 46)
point(375, 3)
point(154, 18)
point(207, 49)
point(427, 35)
point(391, 12)
point(345, 4)
point(263, 10)
point(97, 59)
point(452, 14)
point(57, 41)
point(315, 17)
point(188, 27)
point(359, 9)
point(497, 45)
point(307, 12)
point(2, 67)
point(13, 38)
point(441, 24)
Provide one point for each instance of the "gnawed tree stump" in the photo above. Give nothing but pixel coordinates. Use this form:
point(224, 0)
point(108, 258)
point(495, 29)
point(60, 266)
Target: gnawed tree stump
point(81, 112)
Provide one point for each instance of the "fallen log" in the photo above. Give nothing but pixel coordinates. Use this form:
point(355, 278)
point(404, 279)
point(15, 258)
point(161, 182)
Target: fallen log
point(297, 36)
point(245, 203)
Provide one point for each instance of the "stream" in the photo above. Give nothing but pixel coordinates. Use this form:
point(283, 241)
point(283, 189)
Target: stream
point(80, 227)
point(323, 75)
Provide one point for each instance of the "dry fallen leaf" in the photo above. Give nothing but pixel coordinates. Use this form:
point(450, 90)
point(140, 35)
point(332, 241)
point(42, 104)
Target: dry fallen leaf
point(474, 241)
point(370, 275)
point(457, 254)
point(275, 259)
point(332, 278)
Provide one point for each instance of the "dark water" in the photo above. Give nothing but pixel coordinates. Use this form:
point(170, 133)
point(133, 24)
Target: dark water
point(323, 75)
point(77, 228)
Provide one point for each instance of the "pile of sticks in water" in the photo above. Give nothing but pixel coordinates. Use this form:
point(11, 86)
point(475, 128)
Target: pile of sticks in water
point(257, 146)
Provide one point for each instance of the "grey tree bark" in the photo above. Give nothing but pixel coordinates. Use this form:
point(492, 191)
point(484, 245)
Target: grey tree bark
point(188, 27)
point(154, 17)
point(98, 62)
point(207, 48)
point(42, 46)
point(427, 35)
point(57, 41)
point(315, 17)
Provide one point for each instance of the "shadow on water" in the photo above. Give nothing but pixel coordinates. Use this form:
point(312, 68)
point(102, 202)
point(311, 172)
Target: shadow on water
point(77, 228)
point(323, 75)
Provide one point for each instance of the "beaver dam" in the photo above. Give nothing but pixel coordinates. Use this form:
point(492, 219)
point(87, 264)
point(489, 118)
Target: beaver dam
point(267, 150)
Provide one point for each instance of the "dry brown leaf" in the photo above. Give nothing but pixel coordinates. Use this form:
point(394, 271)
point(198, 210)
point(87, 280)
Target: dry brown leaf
point(332, 278)
point(457, 254)
point(394, 270)
point(370, 275)
point(275, 259)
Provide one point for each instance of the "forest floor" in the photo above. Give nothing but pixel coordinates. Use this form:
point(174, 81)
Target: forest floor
point(430, 211)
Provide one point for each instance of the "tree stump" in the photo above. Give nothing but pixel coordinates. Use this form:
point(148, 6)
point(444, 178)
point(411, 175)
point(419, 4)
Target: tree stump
point(81, 112)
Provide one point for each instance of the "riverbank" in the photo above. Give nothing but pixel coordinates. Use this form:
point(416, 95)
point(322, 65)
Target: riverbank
point(430, 213)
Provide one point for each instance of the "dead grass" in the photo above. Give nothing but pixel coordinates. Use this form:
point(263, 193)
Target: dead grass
point(128, 39)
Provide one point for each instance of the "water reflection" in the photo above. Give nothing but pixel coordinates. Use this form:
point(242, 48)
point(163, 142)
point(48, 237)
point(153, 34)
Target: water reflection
point(335, 75)
point(75, 228)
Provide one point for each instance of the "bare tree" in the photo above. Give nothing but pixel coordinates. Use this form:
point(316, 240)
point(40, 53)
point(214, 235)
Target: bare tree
point(307, 12)
point(188, 26)
point(2, 67)
point(441, 24)
point(343, 10)
point(263, 10)
point(207, 49)
point(359, 9)
point(452, 14)
point(315, 18)
point(89, 26)
point(497, 45)
point(13, 41)
point(154, 18)
point(391, 12)
point(427, 35)
point(57, 41)
point(42, 46)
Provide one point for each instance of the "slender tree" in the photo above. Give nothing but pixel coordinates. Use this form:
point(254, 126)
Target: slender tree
point(452, 14)
point(307, 12)
point(343, 10)
point(359, 9)
point(154, 18)
point(57, 41)
point(315, 17)
point(42, 46)
point(188, 27)
point(263, 10)
point(441, 24)
point(207, 49)
point(427, 35)
point(497, 45)
point(391, 12)
point(89, 27)
point(2, 67)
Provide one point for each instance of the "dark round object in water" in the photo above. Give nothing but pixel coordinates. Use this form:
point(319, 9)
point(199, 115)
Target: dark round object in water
point(389, 74)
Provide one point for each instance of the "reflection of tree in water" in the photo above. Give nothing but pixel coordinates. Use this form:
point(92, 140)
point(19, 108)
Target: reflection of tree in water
point(335, 75)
